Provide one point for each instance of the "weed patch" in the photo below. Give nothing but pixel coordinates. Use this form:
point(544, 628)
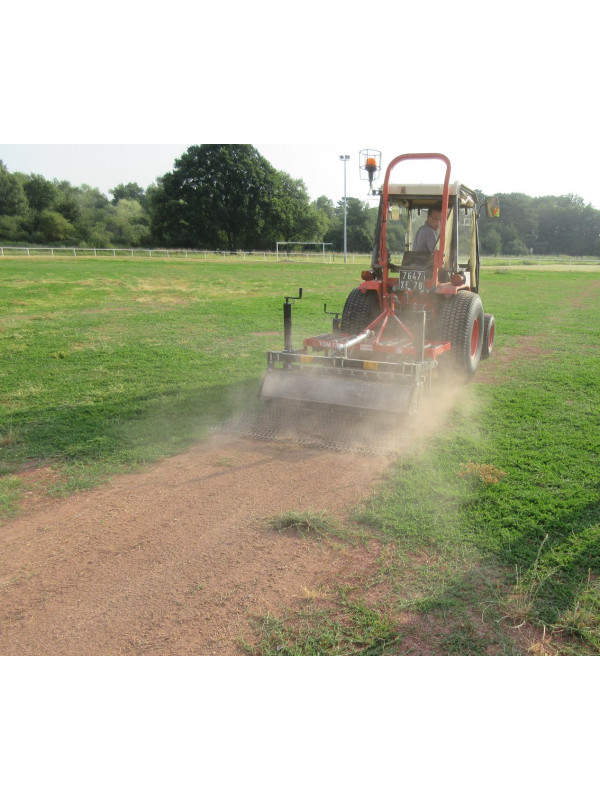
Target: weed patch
point(352, 628)
point(464, 640)
point(312, 524)
point(487, 473)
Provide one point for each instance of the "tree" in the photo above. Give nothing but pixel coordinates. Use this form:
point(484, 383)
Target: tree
point(128, 191)
point(293, 217)
point(491, 242)
point(568, 226)
point(12, 229)
point(127, 223)
point(52, 228)
point(519, 214)
point(512, 244)
point(66, 202)
point(325, 205)
point(41, 193)
point(360, 226)
point(517, 225)
point(13, 200)
point(218, 195)
point(90, 197)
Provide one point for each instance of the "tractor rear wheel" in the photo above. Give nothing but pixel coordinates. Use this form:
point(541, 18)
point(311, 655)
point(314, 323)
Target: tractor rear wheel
point(489, 332)
point(360, 309)
point(461, 322)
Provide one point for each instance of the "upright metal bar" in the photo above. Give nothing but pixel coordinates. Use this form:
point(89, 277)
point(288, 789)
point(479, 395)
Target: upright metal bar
point(287, 325)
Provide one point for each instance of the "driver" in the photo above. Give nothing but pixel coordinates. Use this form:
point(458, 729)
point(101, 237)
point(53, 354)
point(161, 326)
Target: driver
point(427, 236)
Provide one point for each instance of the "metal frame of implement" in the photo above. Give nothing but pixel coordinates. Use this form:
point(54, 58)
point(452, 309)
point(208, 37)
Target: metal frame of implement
point(345, 375)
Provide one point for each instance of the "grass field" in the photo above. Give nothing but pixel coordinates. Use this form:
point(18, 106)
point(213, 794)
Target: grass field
point(109, 365)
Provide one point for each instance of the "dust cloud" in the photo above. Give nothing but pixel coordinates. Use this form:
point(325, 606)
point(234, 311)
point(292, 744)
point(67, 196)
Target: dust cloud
point(380, 430)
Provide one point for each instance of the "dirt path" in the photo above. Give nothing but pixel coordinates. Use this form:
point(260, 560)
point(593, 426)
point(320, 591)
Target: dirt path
point(177, 560)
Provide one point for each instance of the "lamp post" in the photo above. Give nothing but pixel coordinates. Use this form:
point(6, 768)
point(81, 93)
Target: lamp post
point(345, 159)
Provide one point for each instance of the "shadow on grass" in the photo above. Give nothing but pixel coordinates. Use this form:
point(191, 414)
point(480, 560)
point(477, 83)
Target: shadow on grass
point(132, 429)
point(551, 563)
point(557, 560)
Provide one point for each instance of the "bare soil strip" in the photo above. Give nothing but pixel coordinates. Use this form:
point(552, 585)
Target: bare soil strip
point(178, 560)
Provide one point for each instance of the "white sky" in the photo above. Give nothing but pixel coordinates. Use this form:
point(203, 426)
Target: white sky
point(505, 90)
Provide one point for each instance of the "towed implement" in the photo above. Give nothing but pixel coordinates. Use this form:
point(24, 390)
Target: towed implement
point(417, 311)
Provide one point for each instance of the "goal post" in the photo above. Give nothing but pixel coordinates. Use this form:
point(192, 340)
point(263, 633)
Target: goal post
point(303, 251)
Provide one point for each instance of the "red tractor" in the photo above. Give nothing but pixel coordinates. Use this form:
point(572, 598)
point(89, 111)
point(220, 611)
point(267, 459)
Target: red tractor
point(417, 309)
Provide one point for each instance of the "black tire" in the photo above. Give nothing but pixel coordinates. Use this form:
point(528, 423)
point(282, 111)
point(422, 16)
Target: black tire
point(359, 310)
point(461, 323)
point(489, 333)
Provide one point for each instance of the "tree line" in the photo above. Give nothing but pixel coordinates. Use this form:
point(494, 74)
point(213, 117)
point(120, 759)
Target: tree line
point(217, 197)
point(229, 197)
point(549, 225)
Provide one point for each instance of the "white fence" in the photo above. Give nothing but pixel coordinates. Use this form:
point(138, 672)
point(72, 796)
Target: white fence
point(245, 255)
point(261, 256)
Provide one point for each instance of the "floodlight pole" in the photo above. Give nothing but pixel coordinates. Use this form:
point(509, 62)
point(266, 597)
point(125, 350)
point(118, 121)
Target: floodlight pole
point(345, 159)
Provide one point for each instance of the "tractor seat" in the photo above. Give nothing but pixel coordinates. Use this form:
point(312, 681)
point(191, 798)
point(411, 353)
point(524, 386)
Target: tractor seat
point(417, 260)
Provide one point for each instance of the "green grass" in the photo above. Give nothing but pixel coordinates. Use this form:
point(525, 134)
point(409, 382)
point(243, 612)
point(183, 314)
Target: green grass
point(490, 526)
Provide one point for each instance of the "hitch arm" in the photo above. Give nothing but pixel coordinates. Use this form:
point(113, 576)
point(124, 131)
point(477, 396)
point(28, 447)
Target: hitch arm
point(337, 323)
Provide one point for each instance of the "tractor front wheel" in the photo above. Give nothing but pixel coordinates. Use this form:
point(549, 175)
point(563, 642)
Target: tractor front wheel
point(360, 309)
point(461, 322)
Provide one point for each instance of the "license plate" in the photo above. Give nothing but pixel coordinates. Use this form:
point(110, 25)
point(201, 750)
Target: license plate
point(411, 280)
